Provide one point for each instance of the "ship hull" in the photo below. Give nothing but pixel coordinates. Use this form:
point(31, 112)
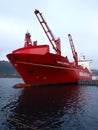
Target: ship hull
point(47, 69)
point(37, 65)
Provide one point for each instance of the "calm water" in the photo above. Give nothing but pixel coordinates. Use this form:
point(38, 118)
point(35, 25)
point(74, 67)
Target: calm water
point(47, 108)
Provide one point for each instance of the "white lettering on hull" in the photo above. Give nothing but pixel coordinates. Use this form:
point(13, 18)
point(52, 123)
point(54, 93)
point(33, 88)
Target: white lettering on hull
point(83, 74)
point(63, 63)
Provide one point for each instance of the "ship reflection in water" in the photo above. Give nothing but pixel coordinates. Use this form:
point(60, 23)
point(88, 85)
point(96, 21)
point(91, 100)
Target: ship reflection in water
point(49, 107)
point(48, 99)
point(59, 107)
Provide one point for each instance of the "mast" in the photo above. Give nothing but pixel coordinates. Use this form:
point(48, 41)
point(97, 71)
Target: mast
point(55, 43)
point(28, 41)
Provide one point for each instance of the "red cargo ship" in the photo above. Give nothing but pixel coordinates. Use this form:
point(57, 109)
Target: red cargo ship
point(37, 65)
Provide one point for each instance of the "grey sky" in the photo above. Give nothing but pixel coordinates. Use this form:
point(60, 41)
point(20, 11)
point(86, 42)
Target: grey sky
point(80, 18)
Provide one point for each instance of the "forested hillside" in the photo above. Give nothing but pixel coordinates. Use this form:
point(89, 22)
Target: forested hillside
point(6, 69)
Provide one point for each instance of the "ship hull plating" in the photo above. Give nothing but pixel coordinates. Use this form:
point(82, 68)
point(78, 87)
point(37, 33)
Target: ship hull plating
point(47, 69)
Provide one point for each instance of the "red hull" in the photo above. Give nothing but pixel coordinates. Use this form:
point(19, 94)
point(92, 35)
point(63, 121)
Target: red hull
point(47, 69)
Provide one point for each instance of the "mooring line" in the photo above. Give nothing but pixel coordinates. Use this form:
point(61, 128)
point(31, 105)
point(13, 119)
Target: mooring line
point(20, 123)
point(17, 122)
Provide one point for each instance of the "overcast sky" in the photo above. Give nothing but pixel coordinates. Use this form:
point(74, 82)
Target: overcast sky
point(77, 17)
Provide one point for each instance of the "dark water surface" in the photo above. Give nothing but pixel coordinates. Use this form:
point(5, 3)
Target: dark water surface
point(47, 108)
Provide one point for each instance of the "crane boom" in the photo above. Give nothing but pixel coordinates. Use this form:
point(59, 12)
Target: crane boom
point(75, 55)
point(55, 43)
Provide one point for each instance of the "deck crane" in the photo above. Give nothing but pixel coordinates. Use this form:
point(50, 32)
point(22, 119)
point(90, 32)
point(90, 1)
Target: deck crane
point(75, 55)
point(55, 43)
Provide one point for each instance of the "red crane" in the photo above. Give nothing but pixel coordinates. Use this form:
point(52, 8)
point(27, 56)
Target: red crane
point(55, 43)
point(75, 55)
